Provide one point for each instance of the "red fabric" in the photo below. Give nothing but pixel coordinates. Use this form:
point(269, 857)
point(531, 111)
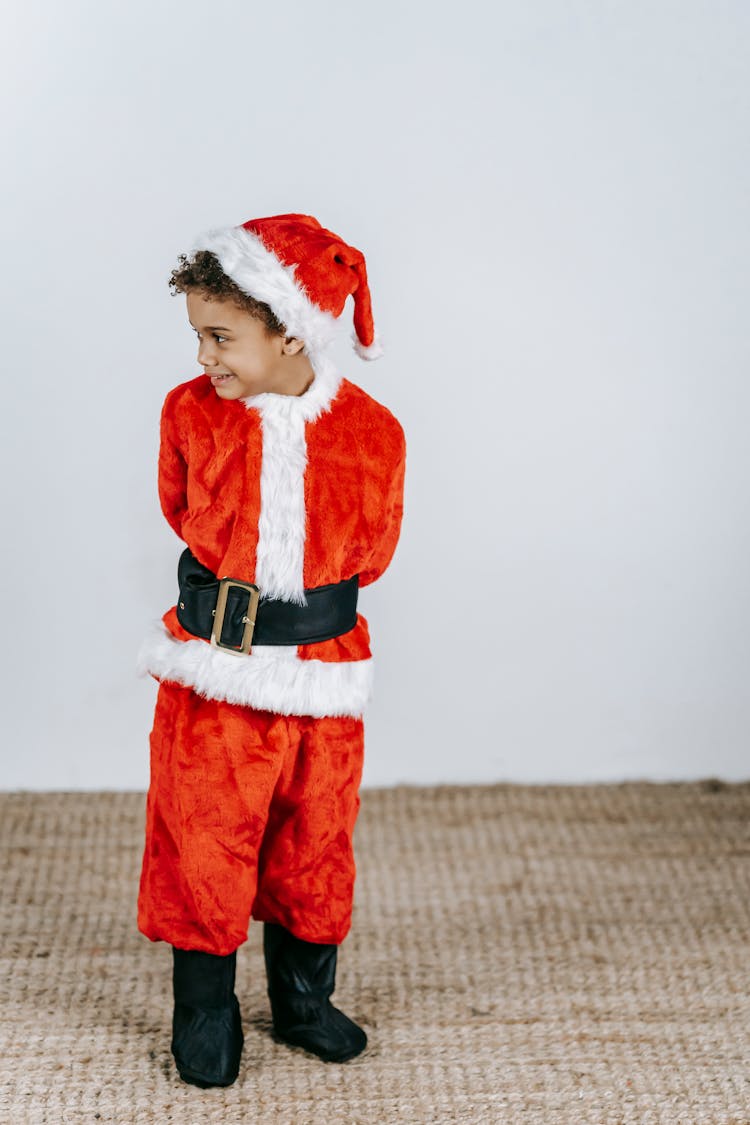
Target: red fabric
point(327, 268)
point(249, 813)
point(209, 489)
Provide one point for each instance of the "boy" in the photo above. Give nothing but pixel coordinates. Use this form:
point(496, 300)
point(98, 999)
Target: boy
point(285, 480)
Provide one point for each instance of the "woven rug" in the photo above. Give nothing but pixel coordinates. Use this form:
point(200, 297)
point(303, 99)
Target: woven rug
point(566, 954)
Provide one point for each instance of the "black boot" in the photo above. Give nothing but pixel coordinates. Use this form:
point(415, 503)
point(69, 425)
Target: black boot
point(206, 1027)
point(301, 977)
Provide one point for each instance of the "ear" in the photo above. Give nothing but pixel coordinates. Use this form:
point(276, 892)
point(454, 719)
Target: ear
point(292, 345)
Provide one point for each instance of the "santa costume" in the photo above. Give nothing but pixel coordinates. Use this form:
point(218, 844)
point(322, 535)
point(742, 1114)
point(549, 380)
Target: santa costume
point(287, 504)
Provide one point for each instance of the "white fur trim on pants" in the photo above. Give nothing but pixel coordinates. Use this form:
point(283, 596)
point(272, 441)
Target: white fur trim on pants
point(269, 678)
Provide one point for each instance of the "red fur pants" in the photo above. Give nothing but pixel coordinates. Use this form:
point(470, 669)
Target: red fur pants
point(249, 814)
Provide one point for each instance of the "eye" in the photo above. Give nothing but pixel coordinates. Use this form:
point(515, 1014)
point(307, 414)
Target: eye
point(218, 337)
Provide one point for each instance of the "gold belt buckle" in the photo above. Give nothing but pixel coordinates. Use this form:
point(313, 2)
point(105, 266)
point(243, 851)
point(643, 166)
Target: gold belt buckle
point(248, 619)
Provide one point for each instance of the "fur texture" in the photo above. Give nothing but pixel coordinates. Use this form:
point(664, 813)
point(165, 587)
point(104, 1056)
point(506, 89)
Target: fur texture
point(315, 401)
point(281, 526)
point(245, 259)
point(371, 351)
point(288, 492)
point(249, 814)
point(271, 678)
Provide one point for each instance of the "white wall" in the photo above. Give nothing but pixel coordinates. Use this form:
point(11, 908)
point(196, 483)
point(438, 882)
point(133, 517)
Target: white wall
point(552, 201)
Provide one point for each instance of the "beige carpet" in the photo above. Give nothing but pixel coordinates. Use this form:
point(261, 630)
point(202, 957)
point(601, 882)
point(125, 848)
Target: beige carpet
point(519, 954)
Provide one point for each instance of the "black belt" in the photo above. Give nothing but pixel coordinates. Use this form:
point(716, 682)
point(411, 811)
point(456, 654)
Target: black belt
point(233, 614)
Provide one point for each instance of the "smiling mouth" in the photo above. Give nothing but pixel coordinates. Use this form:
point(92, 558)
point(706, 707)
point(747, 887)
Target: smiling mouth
point(218, 379)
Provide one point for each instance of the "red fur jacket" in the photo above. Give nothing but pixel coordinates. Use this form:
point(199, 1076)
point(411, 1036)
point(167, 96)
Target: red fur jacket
point(287, 491)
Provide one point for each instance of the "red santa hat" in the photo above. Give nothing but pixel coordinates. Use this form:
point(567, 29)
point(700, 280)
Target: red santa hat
point(303, 272)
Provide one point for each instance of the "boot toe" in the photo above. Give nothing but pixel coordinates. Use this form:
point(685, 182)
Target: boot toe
point(332, 1036)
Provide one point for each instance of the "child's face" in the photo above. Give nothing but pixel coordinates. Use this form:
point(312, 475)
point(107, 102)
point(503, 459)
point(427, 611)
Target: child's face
point(237, 353)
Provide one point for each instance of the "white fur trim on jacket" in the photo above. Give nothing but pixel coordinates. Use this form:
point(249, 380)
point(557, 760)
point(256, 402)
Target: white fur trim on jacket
point(282, 520)
point(272, 677)
point(269, 678)
point(309, 406)
point(259, 273)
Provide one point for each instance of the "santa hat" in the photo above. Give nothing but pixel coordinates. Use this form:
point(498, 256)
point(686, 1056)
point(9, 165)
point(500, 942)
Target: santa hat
point(303, 272)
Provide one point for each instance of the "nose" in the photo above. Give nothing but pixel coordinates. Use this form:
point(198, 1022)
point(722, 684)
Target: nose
point(205, 354)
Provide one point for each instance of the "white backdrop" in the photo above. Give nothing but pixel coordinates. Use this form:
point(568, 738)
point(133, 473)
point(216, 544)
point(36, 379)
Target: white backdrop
point(552, 200)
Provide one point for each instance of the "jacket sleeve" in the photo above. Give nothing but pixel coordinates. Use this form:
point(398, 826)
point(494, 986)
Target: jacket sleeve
point(172, 471)
point(393, 509)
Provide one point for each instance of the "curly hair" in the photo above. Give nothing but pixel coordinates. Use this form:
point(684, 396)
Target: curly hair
point(203, 272)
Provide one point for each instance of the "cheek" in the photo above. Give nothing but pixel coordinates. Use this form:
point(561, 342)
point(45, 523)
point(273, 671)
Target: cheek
point(253, 363)
point(234, 360)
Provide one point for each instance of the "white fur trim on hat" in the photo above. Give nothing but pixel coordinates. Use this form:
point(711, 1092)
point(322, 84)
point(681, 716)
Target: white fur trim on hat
point(371, 351)
point(259, 273)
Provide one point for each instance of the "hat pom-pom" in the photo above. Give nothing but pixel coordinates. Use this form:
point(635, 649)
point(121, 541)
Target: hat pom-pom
point(368, 351)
